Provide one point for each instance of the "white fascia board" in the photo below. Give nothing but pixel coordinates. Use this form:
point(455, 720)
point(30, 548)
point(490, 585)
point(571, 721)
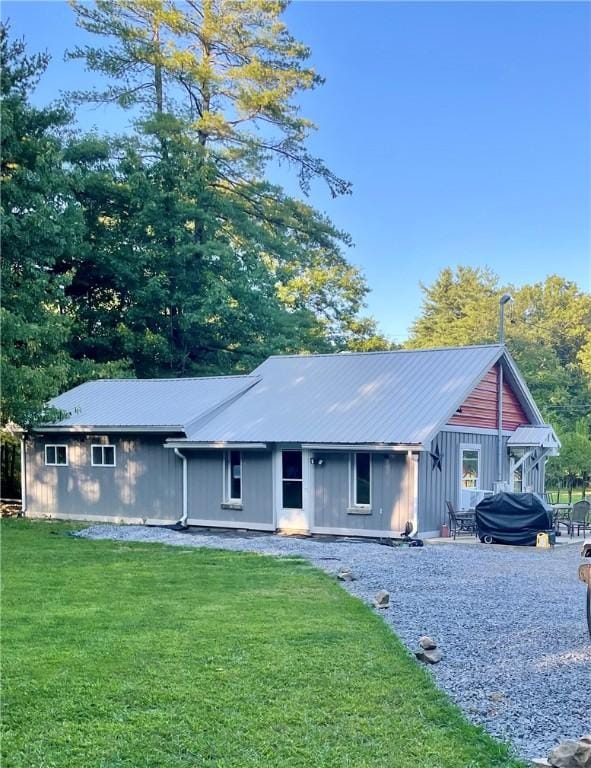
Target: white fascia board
point(220, 444)
point(475, 430)
point(83, 429)
point(523, 388)
point(363, 447)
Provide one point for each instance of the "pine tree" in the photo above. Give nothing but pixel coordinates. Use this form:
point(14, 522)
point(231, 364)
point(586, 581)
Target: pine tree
point(212, 86)
point(40, 231)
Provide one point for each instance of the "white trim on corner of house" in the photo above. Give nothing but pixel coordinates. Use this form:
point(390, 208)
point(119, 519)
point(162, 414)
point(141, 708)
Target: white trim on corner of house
point(230, 524)
point(354, 532)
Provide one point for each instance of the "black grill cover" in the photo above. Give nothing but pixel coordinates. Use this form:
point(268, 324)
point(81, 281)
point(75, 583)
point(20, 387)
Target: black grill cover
point(513, 518)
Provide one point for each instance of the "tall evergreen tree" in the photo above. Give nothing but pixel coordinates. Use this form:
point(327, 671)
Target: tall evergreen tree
point(243, 269)
point(41, 230)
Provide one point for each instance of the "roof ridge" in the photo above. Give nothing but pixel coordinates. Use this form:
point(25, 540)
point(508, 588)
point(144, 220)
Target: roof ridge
point(175, 379)
point(345, 353)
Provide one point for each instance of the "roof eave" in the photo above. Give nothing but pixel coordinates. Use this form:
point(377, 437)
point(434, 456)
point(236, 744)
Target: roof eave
point(87, 428)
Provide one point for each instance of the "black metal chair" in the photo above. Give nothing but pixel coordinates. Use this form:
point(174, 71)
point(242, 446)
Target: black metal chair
point(460, 522)
point(581, 517)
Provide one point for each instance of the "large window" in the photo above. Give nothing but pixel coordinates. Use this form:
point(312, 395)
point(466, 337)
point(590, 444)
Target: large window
point(102, 455)
point(362, 480)
point(234, 476)
point(470, 469)
point(56, 455)
point(292, 480)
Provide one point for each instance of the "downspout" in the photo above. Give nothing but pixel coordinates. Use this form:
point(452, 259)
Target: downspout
point(412, 463)
point(23, 477)
point(183, 458)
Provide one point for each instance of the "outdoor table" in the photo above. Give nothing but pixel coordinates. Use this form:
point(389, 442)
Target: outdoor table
point(468, 517)
point(561, 514)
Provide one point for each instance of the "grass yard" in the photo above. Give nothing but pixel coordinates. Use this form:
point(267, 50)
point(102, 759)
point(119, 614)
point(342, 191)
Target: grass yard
point(143, 656)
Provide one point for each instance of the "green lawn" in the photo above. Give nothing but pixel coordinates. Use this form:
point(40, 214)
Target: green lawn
point(562, 495)
point(151, 656)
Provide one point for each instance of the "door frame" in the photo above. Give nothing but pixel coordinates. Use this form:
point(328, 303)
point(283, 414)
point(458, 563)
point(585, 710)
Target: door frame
point(306, 514)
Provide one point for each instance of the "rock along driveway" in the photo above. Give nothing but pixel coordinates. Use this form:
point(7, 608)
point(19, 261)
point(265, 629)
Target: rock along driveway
point(510, 622)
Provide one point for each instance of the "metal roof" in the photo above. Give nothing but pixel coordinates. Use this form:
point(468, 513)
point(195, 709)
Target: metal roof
point(147, 402)
point(401, 397)
point(542, 436)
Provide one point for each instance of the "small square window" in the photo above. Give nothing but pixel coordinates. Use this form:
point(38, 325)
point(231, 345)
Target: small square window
point(56, 455)
point(103, 455)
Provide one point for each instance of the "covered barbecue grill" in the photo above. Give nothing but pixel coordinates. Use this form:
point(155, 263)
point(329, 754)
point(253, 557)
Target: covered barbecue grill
point(513, 518)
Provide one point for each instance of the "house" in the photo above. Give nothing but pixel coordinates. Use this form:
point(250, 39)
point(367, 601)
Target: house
point(352, 444)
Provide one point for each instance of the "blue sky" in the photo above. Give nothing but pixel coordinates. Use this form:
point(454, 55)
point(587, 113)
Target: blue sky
point(464, 128)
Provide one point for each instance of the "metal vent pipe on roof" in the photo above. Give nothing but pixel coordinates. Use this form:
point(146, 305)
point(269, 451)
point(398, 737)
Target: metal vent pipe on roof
point(505, 299)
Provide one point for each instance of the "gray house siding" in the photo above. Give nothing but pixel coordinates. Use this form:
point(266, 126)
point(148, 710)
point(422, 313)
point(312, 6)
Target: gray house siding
point(145, 484)
point(391, 494)
point(435, 486)
point(206, 489)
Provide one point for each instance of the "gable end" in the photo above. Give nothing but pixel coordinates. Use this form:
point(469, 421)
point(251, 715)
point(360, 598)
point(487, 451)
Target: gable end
point(481, 406)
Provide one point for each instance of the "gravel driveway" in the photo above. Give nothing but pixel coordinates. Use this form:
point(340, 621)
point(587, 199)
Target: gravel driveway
point(510, 622)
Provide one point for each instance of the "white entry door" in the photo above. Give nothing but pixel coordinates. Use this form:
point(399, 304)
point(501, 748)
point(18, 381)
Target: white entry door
point(293, 482)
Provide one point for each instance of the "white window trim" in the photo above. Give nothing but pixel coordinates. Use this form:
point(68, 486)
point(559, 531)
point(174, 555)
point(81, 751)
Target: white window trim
point(102, 464)
point(229, 499)
point(55, 463)
point(470, 447)
point(354, 504)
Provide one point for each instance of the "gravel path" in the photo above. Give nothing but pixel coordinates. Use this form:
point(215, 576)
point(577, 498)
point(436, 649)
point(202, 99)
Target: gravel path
point(510, 622)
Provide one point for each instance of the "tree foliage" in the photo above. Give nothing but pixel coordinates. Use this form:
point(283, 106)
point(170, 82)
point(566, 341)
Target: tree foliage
point(235, 268)
point(548, 332)
point(167, 251)
point(41, 231)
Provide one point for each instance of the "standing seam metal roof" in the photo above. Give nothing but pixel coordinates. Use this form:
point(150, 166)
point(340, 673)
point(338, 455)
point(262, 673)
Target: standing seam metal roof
point(147, 402)
point(385, 397)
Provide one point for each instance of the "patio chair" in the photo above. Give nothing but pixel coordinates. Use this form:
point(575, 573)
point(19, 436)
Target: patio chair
point(460, 522)
point(548, 497)
point(581, 517)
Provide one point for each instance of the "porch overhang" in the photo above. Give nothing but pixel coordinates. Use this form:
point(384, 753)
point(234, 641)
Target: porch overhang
point(217, 444)
point(541, 436)
point(365, 447)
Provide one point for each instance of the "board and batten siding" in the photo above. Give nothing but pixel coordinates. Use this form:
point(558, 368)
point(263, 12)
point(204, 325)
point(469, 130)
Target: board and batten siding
point(438, 486)
point(145, 484)
point(392, 493)
point(207, 489)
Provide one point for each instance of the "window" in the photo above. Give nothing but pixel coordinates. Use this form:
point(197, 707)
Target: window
point(470, 468)
point(56, 455)
point(518, 480)
point(292, 480)
point(362, 480)
point(234, 476)
point(469, 475)
point(103, 455)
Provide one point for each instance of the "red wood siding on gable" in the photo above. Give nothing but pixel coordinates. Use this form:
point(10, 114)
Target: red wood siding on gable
point(480, 407)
